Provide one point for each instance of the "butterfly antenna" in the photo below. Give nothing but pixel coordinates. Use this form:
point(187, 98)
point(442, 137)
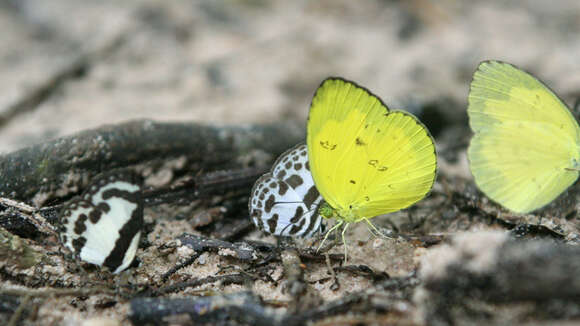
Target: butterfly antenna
point(372, 232)
point(336, 226)
point(284, 229)
point(287, 202)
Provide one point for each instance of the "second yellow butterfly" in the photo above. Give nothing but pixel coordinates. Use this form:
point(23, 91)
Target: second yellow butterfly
point(525, 151)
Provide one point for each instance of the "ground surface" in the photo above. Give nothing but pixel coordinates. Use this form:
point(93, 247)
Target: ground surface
point(67, 66)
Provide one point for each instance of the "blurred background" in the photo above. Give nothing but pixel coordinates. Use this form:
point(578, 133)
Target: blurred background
point(69, 65)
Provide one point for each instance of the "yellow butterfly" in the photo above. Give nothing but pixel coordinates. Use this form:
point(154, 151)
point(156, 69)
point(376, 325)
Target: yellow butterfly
point(365, 159)
point(525, 151)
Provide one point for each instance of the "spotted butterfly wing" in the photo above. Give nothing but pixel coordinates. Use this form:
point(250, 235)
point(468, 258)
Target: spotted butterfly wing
point(103, 226)
point(285, 201)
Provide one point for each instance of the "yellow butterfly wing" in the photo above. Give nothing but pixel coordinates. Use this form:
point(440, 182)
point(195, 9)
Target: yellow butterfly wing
point(525, 141)
point(366, 160)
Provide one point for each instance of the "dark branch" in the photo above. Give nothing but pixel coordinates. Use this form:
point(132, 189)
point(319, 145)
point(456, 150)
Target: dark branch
point(244, 307)
point(42, 170)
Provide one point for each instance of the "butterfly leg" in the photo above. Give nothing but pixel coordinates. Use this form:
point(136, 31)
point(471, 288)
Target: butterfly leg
point(336, 226)
point(374, 230)
point(344, 241)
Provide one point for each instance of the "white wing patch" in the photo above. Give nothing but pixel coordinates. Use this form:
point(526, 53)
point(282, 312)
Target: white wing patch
point(285, 200)
point(103, 226)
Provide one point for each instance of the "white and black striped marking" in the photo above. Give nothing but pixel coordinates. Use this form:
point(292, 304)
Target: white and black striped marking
point(103, 226)
point(285, 200)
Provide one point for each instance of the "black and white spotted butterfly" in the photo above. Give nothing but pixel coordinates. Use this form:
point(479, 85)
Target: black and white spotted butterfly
point(103, 226)
point(285, 200)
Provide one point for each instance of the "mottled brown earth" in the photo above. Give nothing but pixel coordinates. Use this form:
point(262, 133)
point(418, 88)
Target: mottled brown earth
point(67, 66)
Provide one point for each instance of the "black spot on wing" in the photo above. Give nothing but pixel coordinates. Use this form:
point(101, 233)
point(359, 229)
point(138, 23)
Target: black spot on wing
point(297, 214)
point(294, 181)
point(130, 196)
point(297, 227)
point(98, 211)
point(327, 145)
point(273, 222)
point(95, 215)
point(313, 221)
point(269, 203)
point(281, 174)
point(78, 244)
point(257, 218)
point(283, 188)
point(80, 226)
point(311, 196)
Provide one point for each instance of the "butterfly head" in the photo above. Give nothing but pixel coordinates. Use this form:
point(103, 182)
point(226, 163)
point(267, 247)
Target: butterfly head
point(346, 215)
point(326, 211)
